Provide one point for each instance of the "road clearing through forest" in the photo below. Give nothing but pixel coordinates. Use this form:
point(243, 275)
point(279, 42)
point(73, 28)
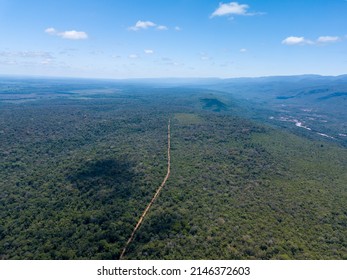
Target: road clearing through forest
point(145, 212)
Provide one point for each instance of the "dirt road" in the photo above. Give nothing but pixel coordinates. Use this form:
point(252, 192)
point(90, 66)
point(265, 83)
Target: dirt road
point(145, 212)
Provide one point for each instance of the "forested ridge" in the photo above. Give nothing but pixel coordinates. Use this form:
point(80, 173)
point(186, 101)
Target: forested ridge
point(76, 174)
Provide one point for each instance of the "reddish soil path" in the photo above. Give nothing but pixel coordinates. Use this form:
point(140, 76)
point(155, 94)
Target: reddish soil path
point(145, 212)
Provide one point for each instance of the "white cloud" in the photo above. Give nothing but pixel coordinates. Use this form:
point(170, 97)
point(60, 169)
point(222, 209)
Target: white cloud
point(328, 39)
point(27, 54)
point(177, 28)
point(51, 31)
point(232, 8)
point(26, 58)
point(149, 51)
point(70, 34)
point(243, 50)
point(46, 62)
point(293, 40)
point(162, 27)
point(142, 25)
point(133, 56)
point(73, 35)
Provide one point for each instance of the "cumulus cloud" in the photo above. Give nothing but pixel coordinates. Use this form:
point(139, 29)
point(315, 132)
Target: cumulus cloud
point(73, 35)
point(70, 34)
point(149, 51)
point(232, 8)
point(328, 39)
point(293, 40)
point(177, 28)
point(133, 56)
point(142, 25)
point(243, 50)
point(51, 31)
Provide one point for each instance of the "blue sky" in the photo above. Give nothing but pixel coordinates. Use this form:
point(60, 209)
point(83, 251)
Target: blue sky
point(172, 38)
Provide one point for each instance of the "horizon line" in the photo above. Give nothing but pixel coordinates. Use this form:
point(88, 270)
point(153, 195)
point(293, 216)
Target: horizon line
point(161, 78)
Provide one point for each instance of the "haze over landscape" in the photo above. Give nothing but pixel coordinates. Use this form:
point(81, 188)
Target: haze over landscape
point(178, 129)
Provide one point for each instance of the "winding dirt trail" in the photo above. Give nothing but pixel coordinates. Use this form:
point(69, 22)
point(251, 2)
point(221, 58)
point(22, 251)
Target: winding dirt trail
point(145, 212)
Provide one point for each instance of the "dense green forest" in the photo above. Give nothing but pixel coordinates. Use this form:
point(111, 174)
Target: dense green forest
point(78, 165)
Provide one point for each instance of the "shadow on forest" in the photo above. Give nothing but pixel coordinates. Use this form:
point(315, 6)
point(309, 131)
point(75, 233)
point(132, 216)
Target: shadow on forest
point(213, 104)
point(110, 175)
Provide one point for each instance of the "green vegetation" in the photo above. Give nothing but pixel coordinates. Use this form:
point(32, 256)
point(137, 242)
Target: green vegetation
point(213, 104)
point(76, 174)
point(240, 191)
point(187, 119)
